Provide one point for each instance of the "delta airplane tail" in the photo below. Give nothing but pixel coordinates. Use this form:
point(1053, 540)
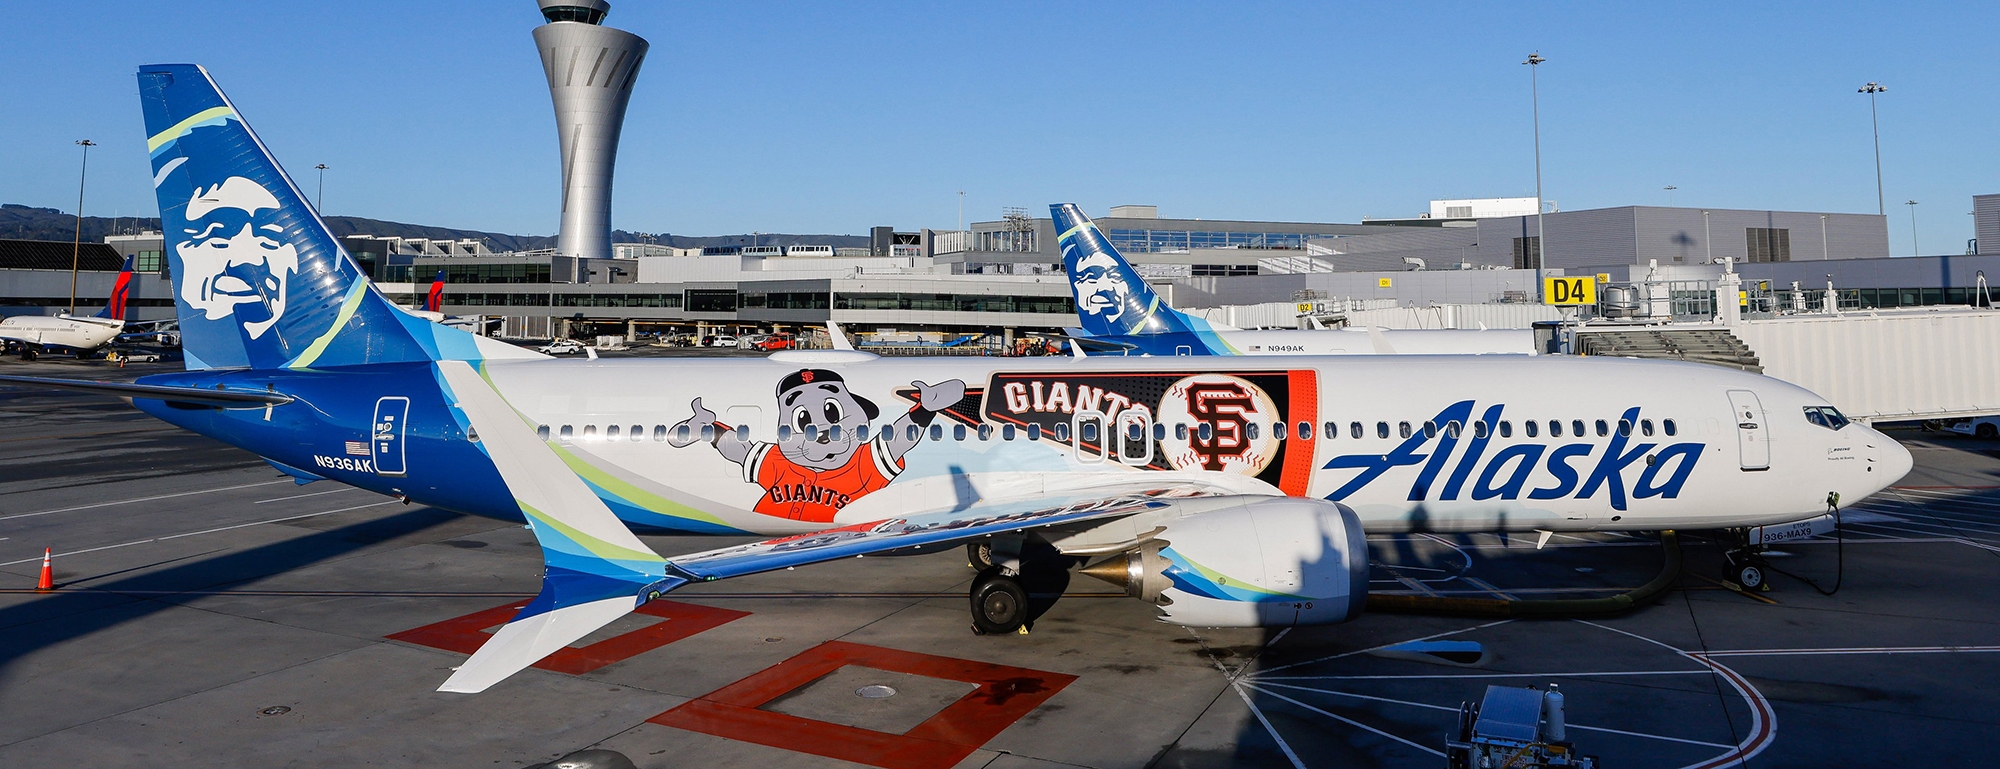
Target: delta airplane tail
point(259, 280)
point(114, 305)
point(1113, 301)
point(434, 298)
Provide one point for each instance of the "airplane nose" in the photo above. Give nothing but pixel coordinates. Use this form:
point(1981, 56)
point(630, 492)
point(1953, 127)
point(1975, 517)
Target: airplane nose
point(1893, 460)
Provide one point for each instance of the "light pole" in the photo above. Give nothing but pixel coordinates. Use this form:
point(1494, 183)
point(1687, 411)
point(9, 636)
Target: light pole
point(1875, 124)
point(1534, 63)
point(76, 246)
point(1915, 250)
point(961, 210)
point(320, 197)
point(1822, 238)
point(1705, 242)
point(1670, 193)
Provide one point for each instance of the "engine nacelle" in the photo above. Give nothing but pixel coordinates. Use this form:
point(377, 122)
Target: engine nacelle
point(1272, 562)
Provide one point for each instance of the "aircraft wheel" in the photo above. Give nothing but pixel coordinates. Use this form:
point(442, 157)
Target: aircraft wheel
point(999, 605)
point(979, 555)
point(1750, 576)
point(27, 352)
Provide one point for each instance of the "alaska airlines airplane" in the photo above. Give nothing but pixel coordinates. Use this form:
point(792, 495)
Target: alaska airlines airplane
point(35, 334)
point(1237, 492)
point(1118, 310)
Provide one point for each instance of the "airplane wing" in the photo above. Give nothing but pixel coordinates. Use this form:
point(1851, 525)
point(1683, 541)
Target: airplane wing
point(597, 571)
point(237, 399)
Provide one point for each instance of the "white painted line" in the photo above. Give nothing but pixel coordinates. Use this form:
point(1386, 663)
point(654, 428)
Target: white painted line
point(303, 496)
point(1296, 763)
point(1587, 674)
point(1348, 721)
point(1853, 650)
point(1442, 707)
point(1488, 587)
point(1763, 718)
point(140, 499)
point(1967, 540)
point(1384, 646)
point(203, 531)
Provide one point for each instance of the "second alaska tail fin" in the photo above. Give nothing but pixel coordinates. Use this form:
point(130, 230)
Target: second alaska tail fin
point(1111, 298)
point(259, 281)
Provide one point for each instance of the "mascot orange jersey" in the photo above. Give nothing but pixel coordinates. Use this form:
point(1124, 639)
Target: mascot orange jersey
point(802, 493)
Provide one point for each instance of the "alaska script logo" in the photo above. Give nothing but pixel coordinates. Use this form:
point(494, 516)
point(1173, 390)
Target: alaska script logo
point(1505, 475)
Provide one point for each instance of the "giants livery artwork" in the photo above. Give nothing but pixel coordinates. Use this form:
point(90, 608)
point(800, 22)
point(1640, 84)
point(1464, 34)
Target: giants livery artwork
point(1236, 492)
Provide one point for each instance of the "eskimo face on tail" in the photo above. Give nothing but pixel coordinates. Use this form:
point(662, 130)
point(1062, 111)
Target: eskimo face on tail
point(235, 257)
point(1101, 290)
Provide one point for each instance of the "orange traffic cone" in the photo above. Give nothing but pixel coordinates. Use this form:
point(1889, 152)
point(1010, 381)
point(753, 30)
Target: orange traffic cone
point(48, 581)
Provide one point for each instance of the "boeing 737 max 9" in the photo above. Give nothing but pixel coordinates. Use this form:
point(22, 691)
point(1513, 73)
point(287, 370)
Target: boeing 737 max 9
point(1239, 490)
point(1117, 309)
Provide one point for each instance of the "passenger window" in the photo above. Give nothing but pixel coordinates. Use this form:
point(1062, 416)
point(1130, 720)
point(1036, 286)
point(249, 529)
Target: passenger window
point(1403, 429)
point(1507, 429)
point(659, 433)
point(1006, 432)
point(1306, 431)
point(1667, 426)
point(985, 432)
point(1206, 430)
point(1354, 429)
point(1645, 427)
point(1034, 432)
point(611, 433)
point(860, 433)
point(785, 432)
point(1278, 431)
point(1533, 427)
point(1180, 432)
point(957, 433)
point(1134, 433)
point(566, 433)
point(937, 432)
point(1453, 428)
point(708, 432)
point(1479, 429)
point(1332, 430)
point(637, 433)
point(911, 433)
point(833, 433)
point(542, 432)
point(1555, 428)
point(590, 432)
point(1382, 429)
point(1089, 431)
point(1430, 429)
point(1159, 432)
point(1576, 427)
point(1602, 429)
point(1062, 431)
point(1250, 431)
point(743, 432)
point(1624, 428)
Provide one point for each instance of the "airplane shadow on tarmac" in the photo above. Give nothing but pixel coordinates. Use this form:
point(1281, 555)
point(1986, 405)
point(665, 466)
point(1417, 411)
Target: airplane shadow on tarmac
point(75, 612)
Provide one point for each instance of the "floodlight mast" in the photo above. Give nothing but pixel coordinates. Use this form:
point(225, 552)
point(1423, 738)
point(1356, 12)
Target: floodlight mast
point(76, 246)
point(1535, 103)
point(1875, 124)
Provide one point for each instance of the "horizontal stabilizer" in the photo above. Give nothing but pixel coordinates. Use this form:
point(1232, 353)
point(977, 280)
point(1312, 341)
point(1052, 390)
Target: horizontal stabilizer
point(595, 570)
point(200, 396)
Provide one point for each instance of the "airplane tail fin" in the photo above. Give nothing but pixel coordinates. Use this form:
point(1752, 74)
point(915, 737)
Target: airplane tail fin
point(595, 570)
point(114, 306)
point(434, 299)
point(259, 281)
point(1111, 298)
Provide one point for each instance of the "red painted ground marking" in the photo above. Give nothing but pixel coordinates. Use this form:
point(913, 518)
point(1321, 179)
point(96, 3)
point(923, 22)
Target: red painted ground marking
point(1005, 694)
point(465, 634)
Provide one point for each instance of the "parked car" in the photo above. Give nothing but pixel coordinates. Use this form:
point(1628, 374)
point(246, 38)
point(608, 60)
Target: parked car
point(723, 340)
point(1978, 427)
point(561, 347)
point(776, 342)
point(751, 341)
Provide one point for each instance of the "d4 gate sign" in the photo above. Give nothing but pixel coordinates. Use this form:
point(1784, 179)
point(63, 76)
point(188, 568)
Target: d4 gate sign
point(1569, 291)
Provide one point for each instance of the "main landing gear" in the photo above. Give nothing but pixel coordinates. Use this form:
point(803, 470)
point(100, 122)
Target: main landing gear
point(999, 603)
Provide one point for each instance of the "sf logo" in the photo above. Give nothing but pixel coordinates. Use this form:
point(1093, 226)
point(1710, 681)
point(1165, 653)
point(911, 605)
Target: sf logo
point(1220, 423)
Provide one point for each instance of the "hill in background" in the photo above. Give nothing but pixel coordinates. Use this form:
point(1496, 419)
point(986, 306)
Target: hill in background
point(18, 222)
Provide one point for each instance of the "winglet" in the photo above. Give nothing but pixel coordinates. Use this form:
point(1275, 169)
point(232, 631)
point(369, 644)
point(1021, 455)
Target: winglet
point(838, 337)
point(596, 570)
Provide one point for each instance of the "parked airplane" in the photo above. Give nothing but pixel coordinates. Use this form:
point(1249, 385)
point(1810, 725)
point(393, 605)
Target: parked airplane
point(1236, 492)
point(36, 334)
point(1119, 311)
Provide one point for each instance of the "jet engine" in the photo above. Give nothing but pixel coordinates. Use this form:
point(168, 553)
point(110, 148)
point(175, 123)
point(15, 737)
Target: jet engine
point(1267, 563)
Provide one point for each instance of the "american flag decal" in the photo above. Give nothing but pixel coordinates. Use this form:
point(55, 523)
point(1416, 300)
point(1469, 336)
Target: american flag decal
point(357, 448)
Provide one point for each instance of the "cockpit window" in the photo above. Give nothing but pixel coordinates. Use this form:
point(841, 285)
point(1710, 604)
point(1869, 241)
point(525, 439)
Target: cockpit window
point(1827, 417)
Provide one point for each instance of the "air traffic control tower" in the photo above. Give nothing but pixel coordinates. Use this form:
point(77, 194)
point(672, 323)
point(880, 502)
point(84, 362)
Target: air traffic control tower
point(591, 69)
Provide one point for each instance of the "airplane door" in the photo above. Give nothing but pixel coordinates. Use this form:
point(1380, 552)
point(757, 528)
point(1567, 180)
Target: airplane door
point(1753, 436)
point(1135, 443)
point(391, 417)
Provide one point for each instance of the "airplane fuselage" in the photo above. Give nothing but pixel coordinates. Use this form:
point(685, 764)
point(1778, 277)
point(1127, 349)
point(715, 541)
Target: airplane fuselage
point(1355, 341)
point(64, 331)
point(1409, 442)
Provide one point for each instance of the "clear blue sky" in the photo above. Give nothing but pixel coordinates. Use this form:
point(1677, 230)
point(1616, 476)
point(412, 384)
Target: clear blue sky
point(818, 117)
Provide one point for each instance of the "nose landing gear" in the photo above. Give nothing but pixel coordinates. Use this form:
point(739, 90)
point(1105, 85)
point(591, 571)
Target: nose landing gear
point(1746, 563)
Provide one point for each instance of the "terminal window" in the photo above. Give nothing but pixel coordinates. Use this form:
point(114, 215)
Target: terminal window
point(1768, 244)
point(1528, 253)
